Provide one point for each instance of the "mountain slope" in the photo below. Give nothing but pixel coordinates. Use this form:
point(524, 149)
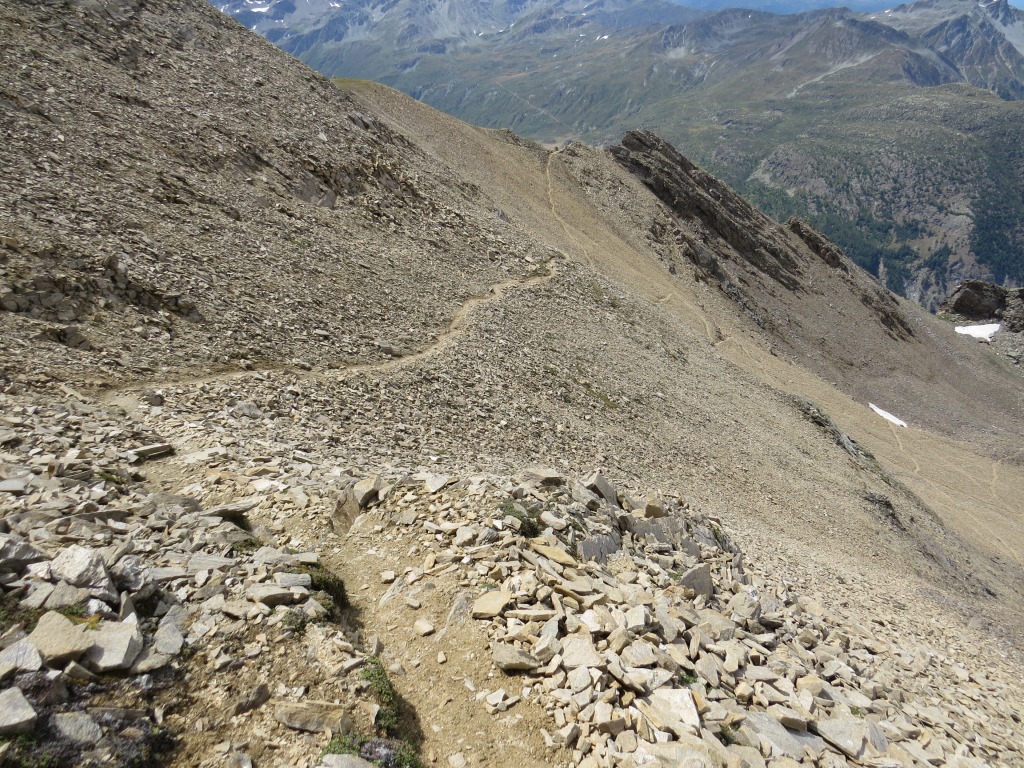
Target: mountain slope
point(860, 123)
point(233, 293)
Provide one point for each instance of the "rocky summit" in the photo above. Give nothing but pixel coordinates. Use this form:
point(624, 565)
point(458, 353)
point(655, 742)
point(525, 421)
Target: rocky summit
point(337, 432)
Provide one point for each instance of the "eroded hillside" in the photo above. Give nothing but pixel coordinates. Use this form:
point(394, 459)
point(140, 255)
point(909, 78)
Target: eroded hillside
point(896, 132)
point(244, 310)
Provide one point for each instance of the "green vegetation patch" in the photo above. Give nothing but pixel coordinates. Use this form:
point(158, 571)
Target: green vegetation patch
point(529, 524)
point(12, 613)
point(387, 753)
point(398, 733)
point(328, 589)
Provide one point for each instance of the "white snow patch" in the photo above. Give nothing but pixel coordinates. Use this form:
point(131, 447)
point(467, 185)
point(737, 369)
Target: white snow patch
point(985, 332)
point(887, 416)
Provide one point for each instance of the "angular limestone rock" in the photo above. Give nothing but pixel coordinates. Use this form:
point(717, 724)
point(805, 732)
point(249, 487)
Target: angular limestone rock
point(16, 714)
point(490, 604)
point(77, 727)
point(314, 716)
point(699, 580)
point(115, 645)
point(579, 651)
point(58, 639)
point(16, 553)
point(18, 658)
point(512, 659)
point(83, 567)
point(672, 709)
point(847, 734)
point(555, 554)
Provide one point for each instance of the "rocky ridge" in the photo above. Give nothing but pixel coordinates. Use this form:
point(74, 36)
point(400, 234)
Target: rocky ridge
point(626, 623)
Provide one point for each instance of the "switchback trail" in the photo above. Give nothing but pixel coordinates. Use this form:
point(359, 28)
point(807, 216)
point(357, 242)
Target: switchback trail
point(554, 212)
point(125, 394)
point(710, 331)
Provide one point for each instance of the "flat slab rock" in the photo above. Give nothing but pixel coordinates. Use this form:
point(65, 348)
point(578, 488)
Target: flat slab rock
point(270, 595)
point(848, 735)
point(16, 714)
point(790, 743)
point(672, 709)
point(490, 604)
point(314, 716)
point(554, 554)
point(58, 639)
point(20, 657)
point(345, 761)
point(115, 645)
point(512, 659)
point(579, 651)
point(77, 727)
point(16, 553)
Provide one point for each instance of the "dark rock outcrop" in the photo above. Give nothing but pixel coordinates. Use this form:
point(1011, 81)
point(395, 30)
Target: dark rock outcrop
point(980, 301)
point(692, 193)
point(820, 245)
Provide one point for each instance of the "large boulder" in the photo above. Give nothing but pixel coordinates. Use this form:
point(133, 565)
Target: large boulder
point(976, 300)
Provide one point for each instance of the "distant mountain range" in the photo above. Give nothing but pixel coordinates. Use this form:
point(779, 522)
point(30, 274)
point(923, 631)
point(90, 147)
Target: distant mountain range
point(900, 132)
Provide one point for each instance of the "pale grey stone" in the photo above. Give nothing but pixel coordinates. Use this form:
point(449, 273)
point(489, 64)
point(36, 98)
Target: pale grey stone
point(58, 639)
point(345, 761)
point(153, 450)
point(366, 490)
point(637, 618)
point(37, 597)
point(63, 595)
point(708, 669)
point(82, 567)
point(546, 648)
point(435, 483)
point(314, 716)
point(423, 627)
point(16, 714)
point(511, 659)
point(579, 651)
point(554, 521)
point(848, 735)
point(790, 743)
point(115, 645)
point(169, 636)
point(270, 595)
point(699, 580)
point(20, 657)
point(598, 484)
point(496, 697)
point(639, 653)
point(16, 553)
point(201, 561)
point(673, 710)
point(16, 485)
point(490, 604)
point(466, 534)
point(289, 580)
point(544, 477)
point(790, 718)
point(149, 660)
point(579, 679)
point(669, 625)
point(77, 727)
